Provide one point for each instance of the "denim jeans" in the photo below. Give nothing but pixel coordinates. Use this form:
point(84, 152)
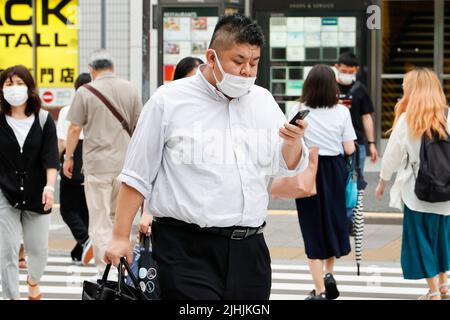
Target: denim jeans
point(362, 157)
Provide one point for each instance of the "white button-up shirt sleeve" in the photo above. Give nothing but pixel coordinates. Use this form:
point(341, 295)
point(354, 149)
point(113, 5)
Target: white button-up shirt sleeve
point(284, 171)
point(144, 154)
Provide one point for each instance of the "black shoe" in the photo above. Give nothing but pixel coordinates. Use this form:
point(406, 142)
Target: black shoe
point(312, 296)
point(76, 252)
point(331, 289)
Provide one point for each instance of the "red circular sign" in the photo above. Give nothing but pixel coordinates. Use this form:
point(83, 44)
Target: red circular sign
point(47, 97)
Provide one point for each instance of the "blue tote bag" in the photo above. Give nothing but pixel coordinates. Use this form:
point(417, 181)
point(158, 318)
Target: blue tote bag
point(351, 188)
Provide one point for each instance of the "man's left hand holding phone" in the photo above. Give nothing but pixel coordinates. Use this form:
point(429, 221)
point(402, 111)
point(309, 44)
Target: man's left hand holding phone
point(293, 131)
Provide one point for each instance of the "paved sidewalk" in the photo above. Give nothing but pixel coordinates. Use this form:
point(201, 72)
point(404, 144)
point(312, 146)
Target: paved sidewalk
point(381, 242)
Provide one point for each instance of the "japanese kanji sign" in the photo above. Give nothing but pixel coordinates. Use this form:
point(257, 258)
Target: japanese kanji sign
point(56, 41)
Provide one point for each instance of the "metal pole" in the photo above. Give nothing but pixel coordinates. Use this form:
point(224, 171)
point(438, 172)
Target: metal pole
point(146, 28)
point(377, 42)
point(439, 37)
point(103, 24)
point(247, 11)
point(34, 37)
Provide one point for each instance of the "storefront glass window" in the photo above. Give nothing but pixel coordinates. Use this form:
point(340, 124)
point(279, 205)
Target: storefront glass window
point(297, 44)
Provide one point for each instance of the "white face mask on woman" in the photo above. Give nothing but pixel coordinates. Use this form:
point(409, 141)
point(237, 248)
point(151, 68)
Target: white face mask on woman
point(346, 79)
point(16, 95)
point(232, 86)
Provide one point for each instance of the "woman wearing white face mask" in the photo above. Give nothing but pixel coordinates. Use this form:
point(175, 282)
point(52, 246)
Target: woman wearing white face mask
point(28, 168)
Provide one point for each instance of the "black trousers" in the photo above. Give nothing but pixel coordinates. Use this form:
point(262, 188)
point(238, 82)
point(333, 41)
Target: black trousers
point(74, 212)
point(196, 265)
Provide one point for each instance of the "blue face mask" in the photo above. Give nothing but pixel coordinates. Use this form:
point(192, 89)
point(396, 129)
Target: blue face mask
point(231, 85)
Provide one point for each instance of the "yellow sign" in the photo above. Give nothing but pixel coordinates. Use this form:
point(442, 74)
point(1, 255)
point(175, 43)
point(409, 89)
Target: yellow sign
point(56, 39)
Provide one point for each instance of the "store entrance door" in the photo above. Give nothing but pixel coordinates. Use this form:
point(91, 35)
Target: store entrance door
point(413, 36)
point(297, 40)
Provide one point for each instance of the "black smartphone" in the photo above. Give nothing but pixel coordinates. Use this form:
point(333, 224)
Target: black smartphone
point(299, 116)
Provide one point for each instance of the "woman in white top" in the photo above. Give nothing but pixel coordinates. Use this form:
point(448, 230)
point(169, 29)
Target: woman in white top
point(28, 168)
point(323, 219)
point(426, 226)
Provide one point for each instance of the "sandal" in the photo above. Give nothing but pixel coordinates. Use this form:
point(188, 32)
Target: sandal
point(39, 296)
point(22, 263)
point(443, 288)
point(430, 295)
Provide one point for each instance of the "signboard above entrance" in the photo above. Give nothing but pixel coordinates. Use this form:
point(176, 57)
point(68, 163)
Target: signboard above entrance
point(56, 42)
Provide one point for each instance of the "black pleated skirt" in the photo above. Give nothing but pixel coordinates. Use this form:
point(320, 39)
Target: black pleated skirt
point(323, 218)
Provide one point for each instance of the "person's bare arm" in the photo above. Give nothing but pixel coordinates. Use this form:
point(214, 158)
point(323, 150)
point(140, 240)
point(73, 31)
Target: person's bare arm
point(292, 150)
point(349, 147)
point(370, 134)
point(48, 196)
point(129, 201)
point(72, 140)
point(145, 223)
point(61, 146)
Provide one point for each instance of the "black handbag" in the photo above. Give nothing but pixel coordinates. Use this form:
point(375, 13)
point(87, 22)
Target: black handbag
point(113, 290)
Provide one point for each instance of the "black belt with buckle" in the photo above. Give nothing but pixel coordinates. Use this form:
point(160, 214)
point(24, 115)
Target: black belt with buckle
point(234, 233)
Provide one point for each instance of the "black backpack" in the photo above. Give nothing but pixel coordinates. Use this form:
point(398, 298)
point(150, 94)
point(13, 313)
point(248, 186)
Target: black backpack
point(433, 178)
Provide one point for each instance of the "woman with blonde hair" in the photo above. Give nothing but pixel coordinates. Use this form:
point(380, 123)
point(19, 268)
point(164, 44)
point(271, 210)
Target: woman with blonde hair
point(425, 250)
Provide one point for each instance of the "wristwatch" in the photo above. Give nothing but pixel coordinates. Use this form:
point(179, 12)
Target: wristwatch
point(371, 142)
point(68, 157)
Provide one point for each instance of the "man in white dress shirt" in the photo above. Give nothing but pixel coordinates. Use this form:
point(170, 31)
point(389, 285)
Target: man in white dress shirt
point(202, 155)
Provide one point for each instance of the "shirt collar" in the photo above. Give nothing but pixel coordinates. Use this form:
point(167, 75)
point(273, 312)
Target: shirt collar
point(212, 90)
point(106, 75)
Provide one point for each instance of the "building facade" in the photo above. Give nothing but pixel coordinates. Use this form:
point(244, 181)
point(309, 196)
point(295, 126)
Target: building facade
point(148, 37)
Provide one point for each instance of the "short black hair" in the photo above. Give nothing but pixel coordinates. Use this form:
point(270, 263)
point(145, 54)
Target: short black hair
point(102, 64)
point(236, 28)
point(83, 78)
point(349, 59)
point(185, 66)
point(320, 89)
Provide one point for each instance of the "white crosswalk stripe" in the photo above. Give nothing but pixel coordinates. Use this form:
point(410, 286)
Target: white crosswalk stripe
point(63, 280)
point(293, 282)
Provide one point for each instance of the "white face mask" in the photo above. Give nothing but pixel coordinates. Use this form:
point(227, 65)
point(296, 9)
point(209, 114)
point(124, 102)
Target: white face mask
point(233, 86)
point(16, 95)
point(346, 79)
